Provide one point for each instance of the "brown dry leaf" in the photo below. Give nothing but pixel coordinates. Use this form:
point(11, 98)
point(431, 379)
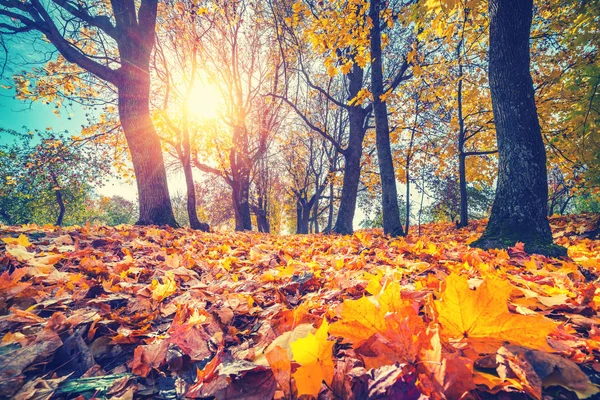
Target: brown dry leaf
point(554, 370)
point(282, 369)
point(147, 357)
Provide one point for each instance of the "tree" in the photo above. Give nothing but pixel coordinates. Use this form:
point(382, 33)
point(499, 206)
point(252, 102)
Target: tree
point(113, 43)
point(116, 210)
point(241, 60)
point(47, 177)
point(309, 169)
point(176, 65)
point(519, 212)
point(389, 194)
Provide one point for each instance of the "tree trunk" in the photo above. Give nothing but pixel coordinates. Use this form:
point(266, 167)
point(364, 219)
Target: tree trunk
point(330, 207)
point(240, 190)
point(263, 222)
point(389, 194)
point(303, 219)
point(59, 201)
point(462, 181)
point(462, 168)
point(145, 148)
point(352, 156)
point(519, 212)
point(262, 213)
point(135, 43)
point(61, 207)
point(407, 223)
point(462, 174)
point(315, 218)
point(191, 195)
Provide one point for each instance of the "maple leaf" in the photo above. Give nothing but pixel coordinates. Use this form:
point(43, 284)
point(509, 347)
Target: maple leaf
point(453, 373)
point(22, 240)
point(313, 353)
point(161, 291)
point(281, 366)
point(149, 356)
point(481, 317)
point(384, 329)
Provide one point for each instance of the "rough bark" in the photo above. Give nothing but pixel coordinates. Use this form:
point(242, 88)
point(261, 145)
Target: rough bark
point(303, 217)
point(261, 210)
point(519, 212)
point(240, 178)
point(389, 193)
point(240, 190)
point(352, 156)
point(145, 149)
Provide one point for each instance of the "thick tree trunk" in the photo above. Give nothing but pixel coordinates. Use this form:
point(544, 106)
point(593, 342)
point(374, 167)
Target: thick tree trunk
point(389, 193)
point(145, 148)
point(303, 219)
point(135, 43)
point(240, 192)
point(519, 213)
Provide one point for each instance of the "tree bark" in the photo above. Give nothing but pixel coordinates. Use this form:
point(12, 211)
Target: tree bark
point(389, 193)
point(303, 217)
point(145, 149)
point(352, 156)
point(135, 43)
point(462, 170)
point(191, 195)
point(519, 212)
point(240, 192)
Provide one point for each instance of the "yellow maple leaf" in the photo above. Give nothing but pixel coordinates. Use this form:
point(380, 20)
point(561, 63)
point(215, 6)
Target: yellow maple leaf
point(22, 240)
point(313, 353)
point(161, 291)
point(481, 317)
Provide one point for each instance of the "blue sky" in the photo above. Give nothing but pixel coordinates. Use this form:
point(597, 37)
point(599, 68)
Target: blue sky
point(27, 116)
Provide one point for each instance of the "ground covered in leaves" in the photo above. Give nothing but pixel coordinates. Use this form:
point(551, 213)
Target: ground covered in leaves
point(134, 312)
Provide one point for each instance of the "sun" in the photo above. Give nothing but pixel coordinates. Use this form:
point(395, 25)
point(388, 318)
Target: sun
point(205, 101)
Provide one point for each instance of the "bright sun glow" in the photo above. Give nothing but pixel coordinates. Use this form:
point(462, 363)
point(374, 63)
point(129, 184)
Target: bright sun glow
point(205, 101)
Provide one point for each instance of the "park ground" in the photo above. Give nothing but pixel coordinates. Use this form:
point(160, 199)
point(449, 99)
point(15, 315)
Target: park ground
point(141, 312)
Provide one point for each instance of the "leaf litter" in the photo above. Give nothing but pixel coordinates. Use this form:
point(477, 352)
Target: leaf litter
point(141, 312)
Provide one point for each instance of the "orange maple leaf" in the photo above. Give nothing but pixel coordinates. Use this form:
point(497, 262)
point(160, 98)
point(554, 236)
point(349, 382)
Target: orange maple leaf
point(481, 317)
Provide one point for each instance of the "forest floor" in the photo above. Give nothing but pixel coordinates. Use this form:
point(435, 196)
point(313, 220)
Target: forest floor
point(139, 312)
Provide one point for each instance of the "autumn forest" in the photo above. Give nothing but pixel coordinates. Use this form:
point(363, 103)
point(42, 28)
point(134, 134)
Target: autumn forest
point(297, 199)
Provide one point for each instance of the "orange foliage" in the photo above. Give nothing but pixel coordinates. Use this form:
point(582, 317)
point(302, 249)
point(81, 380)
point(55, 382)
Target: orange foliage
point(247, 315)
